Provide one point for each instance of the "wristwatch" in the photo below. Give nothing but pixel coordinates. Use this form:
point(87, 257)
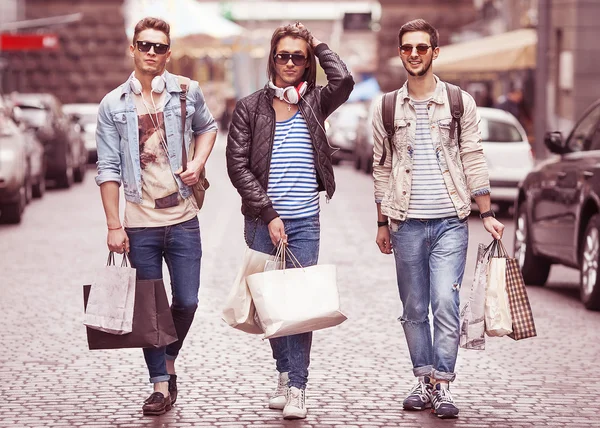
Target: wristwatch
point(489, 213)
point(382, 223)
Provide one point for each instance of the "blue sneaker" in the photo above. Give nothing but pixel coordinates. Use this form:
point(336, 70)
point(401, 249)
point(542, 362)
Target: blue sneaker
point(419, 397)
point(443, 404)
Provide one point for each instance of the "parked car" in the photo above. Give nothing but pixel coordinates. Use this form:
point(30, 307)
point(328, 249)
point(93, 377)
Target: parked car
point(86, 115)
point(341, 133)
point(558, 209)
point(14, 172)
point(507, 152)
point(63, 148)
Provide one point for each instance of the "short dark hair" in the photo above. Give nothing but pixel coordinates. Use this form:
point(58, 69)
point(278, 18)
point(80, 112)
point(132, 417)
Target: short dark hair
point(310, 74)
point(419, 25)
point(152, 23)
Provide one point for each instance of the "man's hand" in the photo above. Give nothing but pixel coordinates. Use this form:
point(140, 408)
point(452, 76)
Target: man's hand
point(494, 227)
point(314, 42)
point(117, 241)
point(383, 240)
point(277, 231)
point(192, 174)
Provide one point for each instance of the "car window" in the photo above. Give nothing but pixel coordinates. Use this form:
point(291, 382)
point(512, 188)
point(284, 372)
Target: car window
point(34, 116)
point(499, 132)
point(581, 137)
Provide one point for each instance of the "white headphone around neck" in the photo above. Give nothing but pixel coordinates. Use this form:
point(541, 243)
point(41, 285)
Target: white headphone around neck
point(291, 94)
point(158, 84)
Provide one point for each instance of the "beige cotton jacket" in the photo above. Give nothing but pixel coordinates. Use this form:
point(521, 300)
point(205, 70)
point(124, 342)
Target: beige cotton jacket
point(465, 171)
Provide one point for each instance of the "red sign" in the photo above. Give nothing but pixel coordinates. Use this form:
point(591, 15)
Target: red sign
point(28, 42)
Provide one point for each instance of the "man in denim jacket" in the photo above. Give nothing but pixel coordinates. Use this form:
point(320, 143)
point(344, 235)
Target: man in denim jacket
point(423, 190)
point(139, 139)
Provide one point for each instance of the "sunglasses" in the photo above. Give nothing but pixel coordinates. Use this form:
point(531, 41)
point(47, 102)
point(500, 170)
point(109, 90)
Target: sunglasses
point(159, 48)
point(284, 58)
point(421, 49)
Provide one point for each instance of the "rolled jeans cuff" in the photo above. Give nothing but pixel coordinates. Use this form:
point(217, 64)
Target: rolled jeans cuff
point(449, 377)
point(163, 378)
point(423, 371)
point(170, 357)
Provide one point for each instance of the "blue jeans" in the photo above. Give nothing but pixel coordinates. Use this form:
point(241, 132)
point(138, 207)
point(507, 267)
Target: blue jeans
point(291, 353)
point(181, 248)
point(430, 263)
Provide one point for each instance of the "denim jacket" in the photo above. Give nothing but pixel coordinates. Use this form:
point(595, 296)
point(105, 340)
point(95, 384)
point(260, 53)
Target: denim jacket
point(464, 171)
point(117, 135)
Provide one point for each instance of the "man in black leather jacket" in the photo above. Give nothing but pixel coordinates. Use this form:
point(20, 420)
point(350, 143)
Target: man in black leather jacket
point(278, 159)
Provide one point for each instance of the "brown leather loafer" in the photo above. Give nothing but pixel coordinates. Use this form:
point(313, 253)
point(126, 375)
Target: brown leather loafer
point(173, 388)
point(156, 404)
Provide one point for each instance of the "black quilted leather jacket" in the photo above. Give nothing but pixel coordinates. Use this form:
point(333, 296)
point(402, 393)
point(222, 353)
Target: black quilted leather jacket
point(250, 140)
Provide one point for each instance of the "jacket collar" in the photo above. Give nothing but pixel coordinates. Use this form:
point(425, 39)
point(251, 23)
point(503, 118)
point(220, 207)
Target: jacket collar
point(438, 95)
point(172, 84)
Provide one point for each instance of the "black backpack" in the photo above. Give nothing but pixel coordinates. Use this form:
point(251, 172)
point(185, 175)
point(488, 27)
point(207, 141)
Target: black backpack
point(388, 113)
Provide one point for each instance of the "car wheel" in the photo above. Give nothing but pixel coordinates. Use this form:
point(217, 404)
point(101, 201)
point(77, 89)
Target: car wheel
point(590, 252)
point(535, 269)
point(13, 213)
point(369, 166)
point(79, 173)
point(67, 177)
point(358, 163)
point(39, 187)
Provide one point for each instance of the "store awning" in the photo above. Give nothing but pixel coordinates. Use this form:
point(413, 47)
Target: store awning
point(514, 50)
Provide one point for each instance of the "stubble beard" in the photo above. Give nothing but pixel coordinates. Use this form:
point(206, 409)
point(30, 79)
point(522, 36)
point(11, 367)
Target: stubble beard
point(420, 73)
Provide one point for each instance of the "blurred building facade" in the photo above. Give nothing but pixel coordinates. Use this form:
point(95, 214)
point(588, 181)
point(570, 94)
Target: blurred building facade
point(570, 59)
point(91, 59)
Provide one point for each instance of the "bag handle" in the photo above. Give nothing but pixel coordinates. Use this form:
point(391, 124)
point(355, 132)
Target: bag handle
point(282, 251)
point(111, 259)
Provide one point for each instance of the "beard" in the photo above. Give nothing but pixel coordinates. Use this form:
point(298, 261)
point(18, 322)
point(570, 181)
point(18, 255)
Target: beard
point(426, 67)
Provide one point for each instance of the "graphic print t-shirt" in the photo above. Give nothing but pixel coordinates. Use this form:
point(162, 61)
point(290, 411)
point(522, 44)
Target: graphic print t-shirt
point(161, 204)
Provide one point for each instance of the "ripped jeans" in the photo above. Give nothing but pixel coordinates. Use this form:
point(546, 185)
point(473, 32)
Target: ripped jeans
point(430, 263)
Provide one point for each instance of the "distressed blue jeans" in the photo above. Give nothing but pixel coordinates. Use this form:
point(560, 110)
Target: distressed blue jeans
point(430, 263)
point(181, 248)
point(291, 353)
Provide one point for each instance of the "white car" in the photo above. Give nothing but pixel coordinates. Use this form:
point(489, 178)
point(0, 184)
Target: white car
point(86, 115)
point(507, 152)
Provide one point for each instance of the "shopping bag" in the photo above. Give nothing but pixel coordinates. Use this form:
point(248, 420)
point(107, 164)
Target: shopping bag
point(296, 300)
point(523, 325)
point(472, 304)
point(111, 300)
point(152, 327)
point(498, 321)
point(239, 311)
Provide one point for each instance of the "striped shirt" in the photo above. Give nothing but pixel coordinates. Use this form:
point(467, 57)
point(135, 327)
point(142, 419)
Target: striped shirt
point(293, 187)
point(429, 197)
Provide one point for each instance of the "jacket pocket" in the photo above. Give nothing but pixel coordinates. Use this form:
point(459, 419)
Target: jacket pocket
point(120, 120)
point(401, 136)
point(445, 126)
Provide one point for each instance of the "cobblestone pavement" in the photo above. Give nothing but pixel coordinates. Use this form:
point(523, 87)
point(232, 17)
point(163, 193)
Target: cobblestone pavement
point(360, 371)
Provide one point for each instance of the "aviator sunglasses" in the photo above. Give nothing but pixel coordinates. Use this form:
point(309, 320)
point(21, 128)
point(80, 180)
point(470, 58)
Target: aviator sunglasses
point(421, 49)
point(283, 59)
point(159, 48)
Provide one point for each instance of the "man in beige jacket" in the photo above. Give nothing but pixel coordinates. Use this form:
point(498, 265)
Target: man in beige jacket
point(424, 180)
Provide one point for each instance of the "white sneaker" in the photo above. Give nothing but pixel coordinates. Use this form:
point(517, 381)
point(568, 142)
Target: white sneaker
point(296, 404)
point(279, 397)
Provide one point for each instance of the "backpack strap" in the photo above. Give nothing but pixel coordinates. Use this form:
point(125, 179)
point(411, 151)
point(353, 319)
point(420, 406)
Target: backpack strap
point(456, 109)
point(388, 113)
point(184, 83)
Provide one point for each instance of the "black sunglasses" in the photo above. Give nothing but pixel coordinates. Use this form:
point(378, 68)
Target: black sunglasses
point(284, 58)
point(421, 49)
point(159, 48)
